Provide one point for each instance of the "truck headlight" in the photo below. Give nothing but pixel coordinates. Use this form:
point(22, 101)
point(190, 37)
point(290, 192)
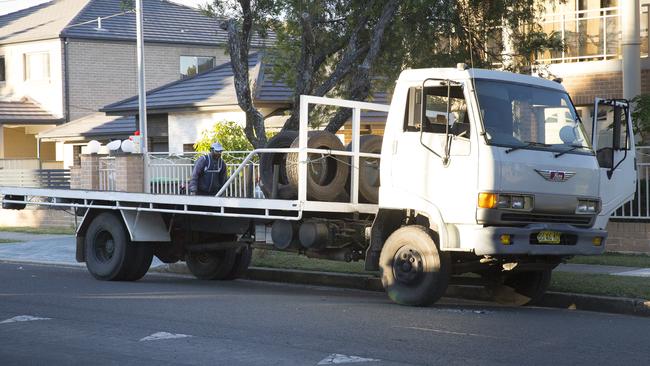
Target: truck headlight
point(505, 201)
point(588, 206)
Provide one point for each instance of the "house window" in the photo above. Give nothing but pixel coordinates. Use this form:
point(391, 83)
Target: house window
point(2, 69)
point(188, 148)
point(37, 66)
point(192, 65)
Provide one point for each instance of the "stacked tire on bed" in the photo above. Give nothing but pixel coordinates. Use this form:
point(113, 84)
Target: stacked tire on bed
point(328, 176)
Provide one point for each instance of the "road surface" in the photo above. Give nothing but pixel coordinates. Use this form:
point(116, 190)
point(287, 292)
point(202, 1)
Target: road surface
point(58, 315)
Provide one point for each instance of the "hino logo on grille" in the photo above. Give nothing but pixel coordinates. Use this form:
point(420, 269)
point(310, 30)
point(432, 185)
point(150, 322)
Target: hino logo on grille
point(555, 175)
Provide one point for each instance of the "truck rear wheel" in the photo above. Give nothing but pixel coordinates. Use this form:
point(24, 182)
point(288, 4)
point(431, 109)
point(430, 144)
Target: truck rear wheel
point(212, 265)
point(110, 255)
point(242, 262)
point(413, 270)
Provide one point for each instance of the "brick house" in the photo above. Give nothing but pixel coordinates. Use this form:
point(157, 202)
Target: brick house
point(64, 59)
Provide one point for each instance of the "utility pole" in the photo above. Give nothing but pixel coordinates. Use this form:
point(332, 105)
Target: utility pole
point(631, 45)
point(142, 95)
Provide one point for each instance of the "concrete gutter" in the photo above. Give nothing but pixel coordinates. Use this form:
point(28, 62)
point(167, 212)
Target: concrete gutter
point(560, 300)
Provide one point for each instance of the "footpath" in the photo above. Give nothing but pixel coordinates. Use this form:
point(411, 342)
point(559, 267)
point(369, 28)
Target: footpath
point(60, 250)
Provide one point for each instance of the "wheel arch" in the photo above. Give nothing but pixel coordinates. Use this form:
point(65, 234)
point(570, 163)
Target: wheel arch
point(388, 220)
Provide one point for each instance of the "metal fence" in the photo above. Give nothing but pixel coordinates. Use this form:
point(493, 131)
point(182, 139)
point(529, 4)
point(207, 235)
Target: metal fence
point(35, 178)
point(107, 174)
point(639, 207)
point(171, 173)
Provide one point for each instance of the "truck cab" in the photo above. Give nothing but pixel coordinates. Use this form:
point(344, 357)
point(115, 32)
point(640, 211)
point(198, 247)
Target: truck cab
point(500, 171)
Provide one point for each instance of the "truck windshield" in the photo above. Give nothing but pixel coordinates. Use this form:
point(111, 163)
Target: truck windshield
point(528, 117)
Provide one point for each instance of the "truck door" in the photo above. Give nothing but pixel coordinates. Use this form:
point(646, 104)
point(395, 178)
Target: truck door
point(613, 142)
point(434, 167)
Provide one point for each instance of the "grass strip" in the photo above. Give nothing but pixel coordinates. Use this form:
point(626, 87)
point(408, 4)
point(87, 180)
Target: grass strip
point(10, 241)
point(581, 283)
point(614, 259)
point(601, 284)
point(39, 230)
point(273, 259)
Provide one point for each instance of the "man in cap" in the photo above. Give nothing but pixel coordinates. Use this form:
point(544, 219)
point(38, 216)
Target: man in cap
point(209, 173)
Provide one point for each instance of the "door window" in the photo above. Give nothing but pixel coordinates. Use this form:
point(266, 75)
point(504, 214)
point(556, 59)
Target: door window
point(438, 101)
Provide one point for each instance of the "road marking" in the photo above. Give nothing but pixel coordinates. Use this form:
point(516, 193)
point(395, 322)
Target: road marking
point(23, 318)
point(449, 332)
point(163, 335)
point(336, 358)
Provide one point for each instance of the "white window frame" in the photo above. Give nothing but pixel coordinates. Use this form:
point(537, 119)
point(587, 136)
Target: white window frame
point(45, 72)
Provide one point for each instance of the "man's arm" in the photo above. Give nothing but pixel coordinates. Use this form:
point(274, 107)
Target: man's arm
point(199, 166)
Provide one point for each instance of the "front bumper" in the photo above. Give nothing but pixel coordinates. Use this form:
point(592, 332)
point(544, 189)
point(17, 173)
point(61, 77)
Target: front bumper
point(487, 240)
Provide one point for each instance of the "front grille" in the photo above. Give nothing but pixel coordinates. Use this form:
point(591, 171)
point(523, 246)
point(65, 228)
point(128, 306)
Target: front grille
point(576, 220)
point(565, 239)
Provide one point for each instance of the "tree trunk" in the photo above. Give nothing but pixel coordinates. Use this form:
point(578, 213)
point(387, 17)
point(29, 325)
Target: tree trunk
point(238, 45)
point(360, 85)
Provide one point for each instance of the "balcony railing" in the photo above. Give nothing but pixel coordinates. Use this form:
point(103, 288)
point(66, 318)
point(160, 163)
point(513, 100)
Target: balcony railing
point(588, 35)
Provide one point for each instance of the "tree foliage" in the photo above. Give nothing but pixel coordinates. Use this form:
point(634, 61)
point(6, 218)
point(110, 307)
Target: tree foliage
point(641, 117)
point(228, 133)
point(354, 48)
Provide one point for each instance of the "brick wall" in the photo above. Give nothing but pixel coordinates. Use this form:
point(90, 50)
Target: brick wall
point(628, 237)
point(584, 88)
point(105, 72)
point(89, 176)
point(129, 173)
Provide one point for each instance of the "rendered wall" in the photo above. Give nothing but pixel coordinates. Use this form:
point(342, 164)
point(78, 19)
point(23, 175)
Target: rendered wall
point(47, 93)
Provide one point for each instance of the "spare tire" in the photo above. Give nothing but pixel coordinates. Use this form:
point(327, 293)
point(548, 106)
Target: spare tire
point(368, 169)
point(326, 176)
point(268, 160)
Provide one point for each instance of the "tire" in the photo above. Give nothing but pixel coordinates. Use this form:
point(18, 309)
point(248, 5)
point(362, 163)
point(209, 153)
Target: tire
point(213, 265)
point(242, 262)
point(326, 178)
point(110, 255)
point(268, 160)
point(413, 270)
point(368, 169)
point(143, 255)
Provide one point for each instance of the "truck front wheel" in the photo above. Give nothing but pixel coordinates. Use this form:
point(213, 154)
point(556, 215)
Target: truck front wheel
point(413, 269)
point(212, 265)
point(110, 254)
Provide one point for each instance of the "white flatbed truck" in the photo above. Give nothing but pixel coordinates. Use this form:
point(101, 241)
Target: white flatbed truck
point(481, 172)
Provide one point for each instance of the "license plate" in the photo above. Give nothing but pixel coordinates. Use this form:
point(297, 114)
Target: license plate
point(548, 237)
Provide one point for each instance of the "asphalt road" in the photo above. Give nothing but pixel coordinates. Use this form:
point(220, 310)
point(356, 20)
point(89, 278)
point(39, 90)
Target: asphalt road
point(74, 319)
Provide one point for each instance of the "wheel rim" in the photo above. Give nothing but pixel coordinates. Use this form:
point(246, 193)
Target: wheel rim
point(104, 246)
point(408, 265)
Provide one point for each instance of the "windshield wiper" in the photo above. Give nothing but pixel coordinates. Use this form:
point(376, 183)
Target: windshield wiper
point(527, 144)
point(573, 147)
